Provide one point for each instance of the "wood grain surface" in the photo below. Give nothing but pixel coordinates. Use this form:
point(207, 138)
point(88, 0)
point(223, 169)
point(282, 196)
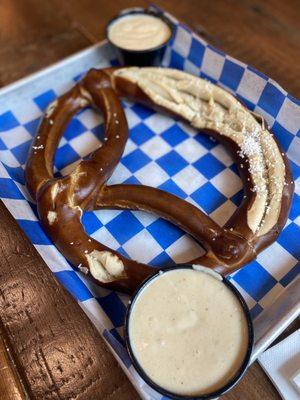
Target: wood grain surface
point(54, 351)
point(57, 351)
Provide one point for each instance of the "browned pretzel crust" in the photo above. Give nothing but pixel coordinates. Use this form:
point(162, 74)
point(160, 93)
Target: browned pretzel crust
point(255, 224)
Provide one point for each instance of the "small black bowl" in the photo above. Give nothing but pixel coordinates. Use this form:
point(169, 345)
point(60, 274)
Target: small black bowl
point(209, 396)
point(141, 58)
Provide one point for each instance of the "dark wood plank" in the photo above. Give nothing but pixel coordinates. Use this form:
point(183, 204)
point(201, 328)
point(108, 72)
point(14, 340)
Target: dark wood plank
point(33, 34)
point(10, 385)
point(57, 351)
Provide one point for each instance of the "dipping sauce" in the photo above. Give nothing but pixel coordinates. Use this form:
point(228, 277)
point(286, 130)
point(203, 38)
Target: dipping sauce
point(138, 32)
point(188, 331)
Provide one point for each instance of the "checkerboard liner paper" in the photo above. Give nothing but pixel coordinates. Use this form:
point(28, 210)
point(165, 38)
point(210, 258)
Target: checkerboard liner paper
point(161, 152)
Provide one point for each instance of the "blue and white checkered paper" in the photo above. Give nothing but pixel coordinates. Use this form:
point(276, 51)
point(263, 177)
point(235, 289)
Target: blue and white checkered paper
point(161, 152)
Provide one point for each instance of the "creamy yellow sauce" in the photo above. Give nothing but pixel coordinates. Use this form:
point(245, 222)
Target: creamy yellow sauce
point(188, 332)
point(139, 32)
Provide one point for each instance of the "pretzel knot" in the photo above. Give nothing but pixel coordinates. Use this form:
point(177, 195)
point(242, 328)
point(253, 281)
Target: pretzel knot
point(263, 167)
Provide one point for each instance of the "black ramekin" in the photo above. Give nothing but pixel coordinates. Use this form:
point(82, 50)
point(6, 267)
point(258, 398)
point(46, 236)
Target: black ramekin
point(209, 396)
point(141, 58)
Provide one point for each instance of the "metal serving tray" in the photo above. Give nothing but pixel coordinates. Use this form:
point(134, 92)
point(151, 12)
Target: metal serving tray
point(21, 106)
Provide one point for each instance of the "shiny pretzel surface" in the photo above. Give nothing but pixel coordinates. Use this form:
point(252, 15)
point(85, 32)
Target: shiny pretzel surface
point(263, 167)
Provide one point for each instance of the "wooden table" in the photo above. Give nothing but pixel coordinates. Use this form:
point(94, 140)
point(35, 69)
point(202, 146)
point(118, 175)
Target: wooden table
point(48, 348)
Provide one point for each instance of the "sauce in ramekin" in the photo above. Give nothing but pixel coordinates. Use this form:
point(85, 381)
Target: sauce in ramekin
point(188, 331)
point(138, 32)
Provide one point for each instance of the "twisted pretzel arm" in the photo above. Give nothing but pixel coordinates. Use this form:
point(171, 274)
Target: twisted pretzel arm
point(61, 201)
point(39, 167)
point(222, 245)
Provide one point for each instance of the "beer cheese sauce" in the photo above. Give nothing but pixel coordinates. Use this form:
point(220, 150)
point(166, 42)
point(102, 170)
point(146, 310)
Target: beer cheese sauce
point(139, 32)
point(188, 332)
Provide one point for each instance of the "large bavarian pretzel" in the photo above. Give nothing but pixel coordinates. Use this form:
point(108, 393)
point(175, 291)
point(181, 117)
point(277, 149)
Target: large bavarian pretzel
point(263, 167)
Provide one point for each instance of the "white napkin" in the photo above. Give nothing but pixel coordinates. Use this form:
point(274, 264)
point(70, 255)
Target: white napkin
point(282, 364)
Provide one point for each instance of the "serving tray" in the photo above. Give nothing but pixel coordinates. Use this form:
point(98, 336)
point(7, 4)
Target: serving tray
point(164, 153)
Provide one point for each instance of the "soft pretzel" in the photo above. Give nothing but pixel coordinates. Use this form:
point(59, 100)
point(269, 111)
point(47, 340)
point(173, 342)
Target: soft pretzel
point(264, 169)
